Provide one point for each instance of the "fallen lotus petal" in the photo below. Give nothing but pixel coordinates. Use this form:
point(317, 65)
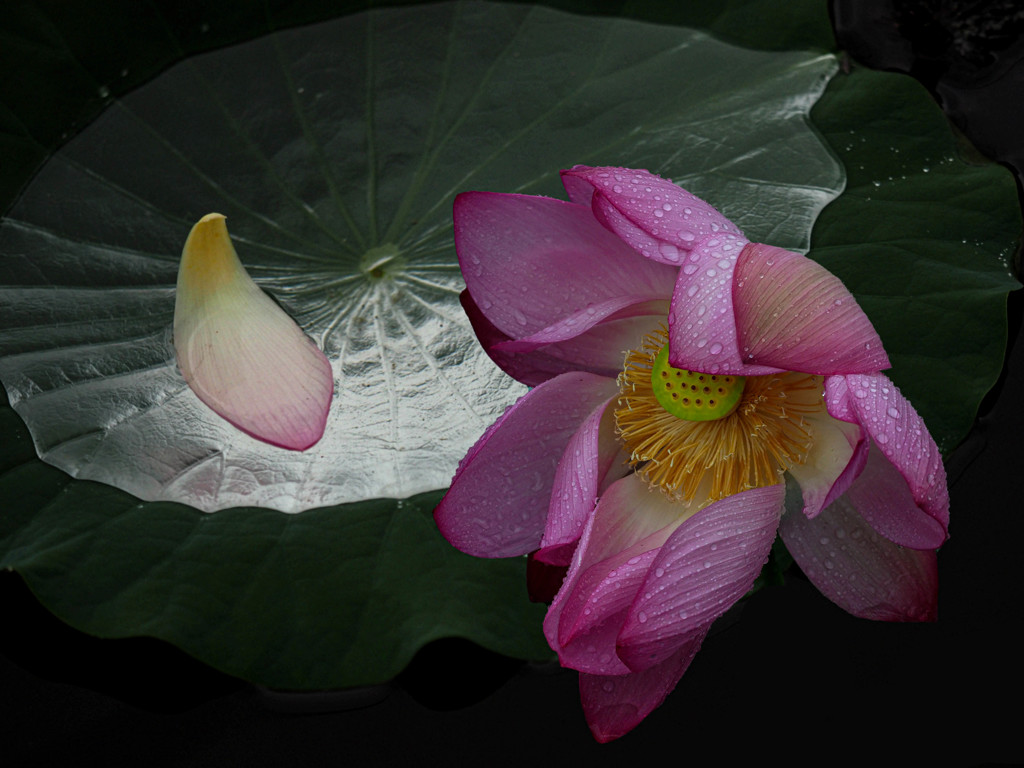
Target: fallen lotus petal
point(240, 352)
point(658, 483)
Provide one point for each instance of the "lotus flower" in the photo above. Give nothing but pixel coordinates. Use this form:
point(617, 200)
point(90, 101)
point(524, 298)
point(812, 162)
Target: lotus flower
point(680, 375)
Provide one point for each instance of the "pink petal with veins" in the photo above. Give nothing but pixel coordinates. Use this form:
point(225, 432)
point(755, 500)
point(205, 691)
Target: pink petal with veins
point(654, 216)
point(591, 461)
point(794, 314)
point(240, 352)
point(860, 570)
point(630, 522)
point(702, 330)
point(498, 500)
point(531, 261)
point(615, 705)
point(902, 437)
point(709, 563)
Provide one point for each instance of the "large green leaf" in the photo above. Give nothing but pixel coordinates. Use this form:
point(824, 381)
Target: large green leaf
point(344, 595)
point(340, 200)
point(329, 598)
point(924, 238)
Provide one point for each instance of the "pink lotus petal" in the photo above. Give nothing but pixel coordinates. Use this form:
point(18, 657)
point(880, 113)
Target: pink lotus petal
point(615, 705)
point(240, 352)
point(902, 436)
point(701, 321)
point(597, 605)
point(709, 563)
point(794, 314)
point(653, 215)
point(824, 477)
point(884, 500)
point(499, 497)
point(583, 320)
point(630, 521)
point(591, 458)
point(588, 644)
point(602, 349)
point(516, 252)
point(837, 402)
point(530, 368)
point(859, 570)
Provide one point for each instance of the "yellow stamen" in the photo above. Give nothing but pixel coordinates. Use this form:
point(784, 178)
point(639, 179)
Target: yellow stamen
point(766, 433)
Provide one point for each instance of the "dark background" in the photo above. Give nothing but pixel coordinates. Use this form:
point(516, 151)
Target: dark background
point(797, 679)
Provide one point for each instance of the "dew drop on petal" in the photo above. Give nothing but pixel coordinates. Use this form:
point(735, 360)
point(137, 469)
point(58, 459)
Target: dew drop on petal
point(669, 251)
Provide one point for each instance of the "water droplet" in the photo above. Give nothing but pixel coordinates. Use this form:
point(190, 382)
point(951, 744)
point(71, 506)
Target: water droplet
point(669, 251)
point(715, 348)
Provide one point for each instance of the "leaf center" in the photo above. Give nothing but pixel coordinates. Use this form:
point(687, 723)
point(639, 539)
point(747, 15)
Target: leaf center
point(382, 261)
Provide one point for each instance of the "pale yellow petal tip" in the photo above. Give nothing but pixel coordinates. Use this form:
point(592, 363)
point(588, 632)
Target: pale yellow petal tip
point(240, 352)
point(208, 260)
